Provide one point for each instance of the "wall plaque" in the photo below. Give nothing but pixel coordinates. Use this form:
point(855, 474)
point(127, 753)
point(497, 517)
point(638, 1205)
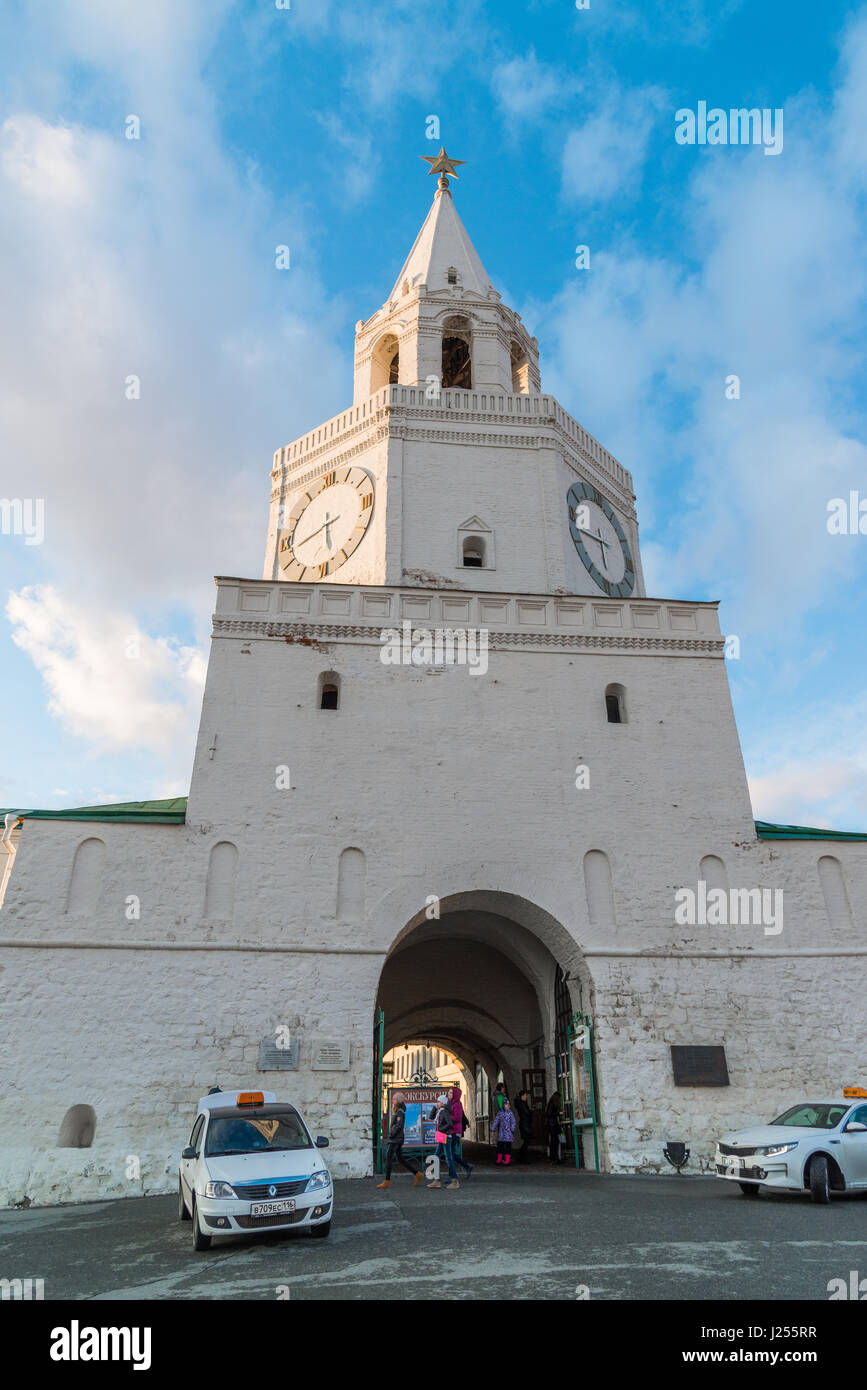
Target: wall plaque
point(274, 1058)
point(330, 1056)
point(699, 1066)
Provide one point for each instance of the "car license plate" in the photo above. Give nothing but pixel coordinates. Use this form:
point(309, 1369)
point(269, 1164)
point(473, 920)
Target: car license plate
point(270, 1208)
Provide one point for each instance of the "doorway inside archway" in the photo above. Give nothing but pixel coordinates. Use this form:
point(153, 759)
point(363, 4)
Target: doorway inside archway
point(492, 988)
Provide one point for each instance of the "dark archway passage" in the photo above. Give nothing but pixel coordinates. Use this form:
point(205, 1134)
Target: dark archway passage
point(482, 984)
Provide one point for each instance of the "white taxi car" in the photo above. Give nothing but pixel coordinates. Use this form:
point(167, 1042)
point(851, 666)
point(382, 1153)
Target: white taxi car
point(252, 1165)
point(820, 1145)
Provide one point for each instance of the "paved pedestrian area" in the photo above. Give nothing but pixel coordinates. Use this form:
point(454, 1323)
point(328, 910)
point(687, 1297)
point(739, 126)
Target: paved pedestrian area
point(536, 1233)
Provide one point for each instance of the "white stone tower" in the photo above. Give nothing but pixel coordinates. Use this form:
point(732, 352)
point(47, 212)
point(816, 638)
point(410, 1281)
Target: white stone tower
point(450, 458)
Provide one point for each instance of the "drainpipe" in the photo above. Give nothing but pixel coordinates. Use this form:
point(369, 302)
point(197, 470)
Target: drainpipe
point(13, 818)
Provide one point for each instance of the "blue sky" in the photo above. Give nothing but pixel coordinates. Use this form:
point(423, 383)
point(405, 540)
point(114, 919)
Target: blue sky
point(262, 126)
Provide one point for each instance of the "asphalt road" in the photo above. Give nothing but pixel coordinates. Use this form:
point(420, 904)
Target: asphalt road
point(532, 1234)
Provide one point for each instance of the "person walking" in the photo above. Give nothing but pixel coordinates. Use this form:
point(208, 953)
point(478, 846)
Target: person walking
point(552, 1128)
point(504, 1127)
point(443, 1147)
point(394, 1149)
point(459, 1124)
point(525, 1123)
point(499, 1097)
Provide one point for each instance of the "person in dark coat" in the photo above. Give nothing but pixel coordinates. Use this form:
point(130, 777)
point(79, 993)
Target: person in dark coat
point(552, 1128)
point(394, 1151)
point(525, 1124)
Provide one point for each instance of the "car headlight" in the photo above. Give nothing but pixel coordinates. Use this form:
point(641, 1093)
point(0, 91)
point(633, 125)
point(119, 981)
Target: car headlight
point(319, 1180)
point(777, 1149)
point(219, 1189)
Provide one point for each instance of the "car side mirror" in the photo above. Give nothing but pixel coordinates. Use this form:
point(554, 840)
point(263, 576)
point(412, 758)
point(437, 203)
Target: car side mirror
point(188, 1152)
point(321, 1142)
point(856, 1127)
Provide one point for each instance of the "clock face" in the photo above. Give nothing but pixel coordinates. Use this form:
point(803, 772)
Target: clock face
point(326, 524)
point(600, 540)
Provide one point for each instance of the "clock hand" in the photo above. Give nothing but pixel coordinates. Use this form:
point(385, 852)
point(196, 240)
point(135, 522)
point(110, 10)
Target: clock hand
point(316, 532)
point(594, 536)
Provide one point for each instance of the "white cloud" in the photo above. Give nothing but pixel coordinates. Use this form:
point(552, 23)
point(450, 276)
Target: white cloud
point(107, 680)
point(524, 88)
point(606, 153)
point(45, 161)
point(812, 769)
point(152, 258)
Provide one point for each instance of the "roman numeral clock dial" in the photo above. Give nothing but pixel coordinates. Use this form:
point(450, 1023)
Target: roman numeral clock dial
point(600, 540)
point(326, 524)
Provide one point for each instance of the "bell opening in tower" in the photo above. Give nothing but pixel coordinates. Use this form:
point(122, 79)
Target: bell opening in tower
point(457, 353)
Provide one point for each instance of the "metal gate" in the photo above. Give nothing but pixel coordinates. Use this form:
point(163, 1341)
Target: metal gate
point(378, 1047)
point(581, 1089)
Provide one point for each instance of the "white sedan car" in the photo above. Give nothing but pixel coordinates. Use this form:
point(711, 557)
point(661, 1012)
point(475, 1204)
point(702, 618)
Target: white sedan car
point(820, 1145)
point(252, 1165)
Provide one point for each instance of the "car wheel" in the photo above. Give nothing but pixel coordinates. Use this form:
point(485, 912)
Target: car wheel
point(321, 1230)
point(749, 1189)
point(820, 1182)
point(183, 1214)
point(200, 1240)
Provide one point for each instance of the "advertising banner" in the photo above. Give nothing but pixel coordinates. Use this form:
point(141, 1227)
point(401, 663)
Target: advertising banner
point(421, 1109)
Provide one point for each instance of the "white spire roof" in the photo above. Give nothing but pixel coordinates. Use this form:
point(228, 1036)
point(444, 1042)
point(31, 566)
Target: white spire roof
point(442, 244)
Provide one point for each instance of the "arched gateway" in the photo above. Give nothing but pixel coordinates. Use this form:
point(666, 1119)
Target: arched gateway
point(496, 980)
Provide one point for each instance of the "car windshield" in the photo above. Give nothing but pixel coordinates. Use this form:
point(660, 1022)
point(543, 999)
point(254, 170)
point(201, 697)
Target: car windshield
point(812, 1116)
point(230, 1134)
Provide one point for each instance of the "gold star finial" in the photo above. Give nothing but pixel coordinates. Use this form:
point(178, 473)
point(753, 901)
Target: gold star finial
point(442, 165)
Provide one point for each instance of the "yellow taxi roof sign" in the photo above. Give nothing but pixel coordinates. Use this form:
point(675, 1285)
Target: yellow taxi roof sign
point(855, 1092)
point(250, 1098)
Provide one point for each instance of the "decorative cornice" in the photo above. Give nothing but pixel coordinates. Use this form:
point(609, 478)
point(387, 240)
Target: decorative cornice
point(536, 410)
point(498, 640)
point(401, 426)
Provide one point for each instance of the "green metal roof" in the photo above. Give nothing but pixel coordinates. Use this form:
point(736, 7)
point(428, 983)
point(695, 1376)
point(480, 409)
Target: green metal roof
point(766, 830)
point(170, 812)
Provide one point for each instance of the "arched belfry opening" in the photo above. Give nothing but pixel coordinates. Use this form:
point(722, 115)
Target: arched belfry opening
point(457, 353)
point(500, 985)
point(385, 363)
point(520, 369)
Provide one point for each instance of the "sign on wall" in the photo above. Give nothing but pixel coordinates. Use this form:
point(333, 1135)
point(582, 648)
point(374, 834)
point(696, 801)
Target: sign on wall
point(421, 1113)
point(699, 1066)
point(278, 1054)
point(329, 1055)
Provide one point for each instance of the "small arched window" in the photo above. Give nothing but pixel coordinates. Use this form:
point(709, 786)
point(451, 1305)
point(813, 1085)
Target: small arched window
point(451, 276)
point(615, 704)
point(474, 553)
point(329, 690)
